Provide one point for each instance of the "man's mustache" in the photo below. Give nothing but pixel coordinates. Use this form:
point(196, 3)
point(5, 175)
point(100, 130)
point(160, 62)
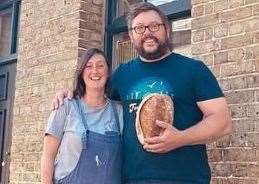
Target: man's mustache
point(149, 37)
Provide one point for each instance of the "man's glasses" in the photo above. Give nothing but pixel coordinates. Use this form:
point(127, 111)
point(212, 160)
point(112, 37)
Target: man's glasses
point(152, 28)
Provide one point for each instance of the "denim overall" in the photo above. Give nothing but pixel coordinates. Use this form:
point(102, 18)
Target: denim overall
point(100, 159)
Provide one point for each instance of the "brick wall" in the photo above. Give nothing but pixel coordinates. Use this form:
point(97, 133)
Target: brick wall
point(50, 37)
point(225, 35)
point(54, 33)
point(91, 32)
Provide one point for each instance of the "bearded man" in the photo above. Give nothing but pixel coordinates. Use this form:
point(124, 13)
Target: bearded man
point(178, 155)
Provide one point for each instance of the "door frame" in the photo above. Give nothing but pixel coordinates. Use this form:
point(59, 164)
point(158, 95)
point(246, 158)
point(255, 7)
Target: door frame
point(7, 136)
point(10, 61)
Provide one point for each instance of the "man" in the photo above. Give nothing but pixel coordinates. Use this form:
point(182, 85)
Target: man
point(178, 155)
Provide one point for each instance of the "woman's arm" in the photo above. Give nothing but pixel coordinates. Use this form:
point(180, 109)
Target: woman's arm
point(50, 149)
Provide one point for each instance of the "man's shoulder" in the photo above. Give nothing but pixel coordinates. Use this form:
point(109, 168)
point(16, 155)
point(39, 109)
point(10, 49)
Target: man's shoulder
point(70, 105)
point(188, 62)
point(186, 59)
point(125, 68)
point(127, 64)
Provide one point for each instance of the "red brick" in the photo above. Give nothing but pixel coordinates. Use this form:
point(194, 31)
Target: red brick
point(237, 41)
point(236, 28)
point(231, 69)
point(236, 14)
point(206, 21)
point(239, 154)
point(194, 2)
point(244, 125)
point(198, 35)
point(198, 11)
point(235, 3)
point(221, 169)
point(220, 5)
point(209, 8)
point(238, 97)
point(209, 33)
point(243, 139)
point(215, 155)
point(236, 54)
point(256, 9)
point(202, 48)
point(221, 57)
point(233, 180)
point(250, 2)
point(238, 111)
point(221, 30)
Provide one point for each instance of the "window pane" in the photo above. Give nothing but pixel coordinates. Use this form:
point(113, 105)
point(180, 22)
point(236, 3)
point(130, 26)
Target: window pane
point(5, 32)
point(122, 49)
point(123, 6)
point(159, 2)
point(3, 85)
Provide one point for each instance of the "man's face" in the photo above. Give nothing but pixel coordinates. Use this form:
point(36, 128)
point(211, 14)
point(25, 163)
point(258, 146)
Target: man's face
point(150, 44)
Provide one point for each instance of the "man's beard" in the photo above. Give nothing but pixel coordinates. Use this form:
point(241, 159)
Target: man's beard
point(162, 49)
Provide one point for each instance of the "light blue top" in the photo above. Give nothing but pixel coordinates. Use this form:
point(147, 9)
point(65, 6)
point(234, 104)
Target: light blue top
point(66, 125)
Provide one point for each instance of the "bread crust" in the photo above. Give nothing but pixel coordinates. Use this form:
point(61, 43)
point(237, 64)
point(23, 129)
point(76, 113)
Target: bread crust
point(153, 107)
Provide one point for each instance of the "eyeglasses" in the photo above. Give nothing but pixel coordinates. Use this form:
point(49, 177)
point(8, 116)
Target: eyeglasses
point(152, 28)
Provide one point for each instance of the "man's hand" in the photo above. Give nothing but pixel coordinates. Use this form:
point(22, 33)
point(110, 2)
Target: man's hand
point(216, 123)
point(170, 139)
point(58, 100)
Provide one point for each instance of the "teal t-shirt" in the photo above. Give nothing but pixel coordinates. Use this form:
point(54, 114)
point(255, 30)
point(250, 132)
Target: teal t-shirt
point(187, 81)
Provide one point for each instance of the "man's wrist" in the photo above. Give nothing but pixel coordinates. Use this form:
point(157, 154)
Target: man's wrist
point(185, 138)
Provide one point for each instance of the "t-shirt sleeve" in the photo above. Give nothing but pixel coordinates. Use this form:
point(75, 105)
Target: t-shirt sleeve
point(56, 122)
point(206, 85)
point(113, 85)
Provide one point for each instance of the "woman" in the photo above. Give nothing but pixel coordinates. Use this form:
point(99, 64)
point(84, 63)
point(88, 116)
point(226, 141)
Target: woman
point(82, 143)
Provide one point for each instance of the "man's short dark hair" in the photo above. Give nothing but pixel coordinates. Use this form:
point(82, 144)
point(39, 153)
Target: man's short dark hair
point(141, 7)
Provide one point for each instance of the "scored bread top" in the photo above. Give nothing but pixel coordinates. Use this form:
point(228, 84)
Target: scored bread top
point(153, 107)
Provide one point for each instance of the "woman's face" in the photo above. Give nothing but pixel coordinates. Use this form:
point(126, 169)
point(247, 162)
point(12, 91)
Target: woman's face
point(96, 72)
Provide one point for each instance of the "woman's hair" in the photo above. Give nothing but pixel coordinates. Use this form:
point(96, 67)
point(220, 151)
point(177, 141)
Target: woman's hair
point(79, 83)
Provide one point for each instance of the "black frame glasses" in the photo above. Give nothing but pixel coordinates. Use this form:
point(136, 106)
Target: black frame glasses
point(140, 29)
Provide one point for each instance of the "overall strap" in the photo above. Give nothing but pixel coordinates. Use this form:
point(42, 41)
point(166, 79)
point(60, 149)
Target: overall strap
point(81, 112)
point(116, 115)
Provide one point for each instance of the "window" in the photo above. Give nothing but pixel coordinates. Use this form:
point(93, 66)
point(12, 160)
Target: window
point(5, 32)
point(159, 2)
point(9, 11)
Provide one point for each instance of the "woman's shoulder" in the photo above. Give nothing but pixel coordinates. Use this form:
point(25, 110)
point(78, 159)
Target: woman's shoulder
point(119, 109)
point(70, 105)
point(116, 103)
point(118, 106)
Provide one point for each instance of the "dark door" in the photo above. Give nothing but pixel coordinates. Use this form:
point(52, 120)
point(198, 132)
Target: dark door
point(7, 81)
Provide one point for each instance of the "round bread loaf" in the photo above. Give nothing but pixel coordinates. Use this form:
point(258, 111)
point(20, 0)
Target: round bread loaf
point(153, 107)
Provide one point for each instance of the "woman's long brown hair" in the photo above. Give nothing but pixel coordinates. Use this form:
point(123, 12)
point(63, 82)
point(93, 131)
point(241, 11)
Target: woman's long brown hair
point(79, 83)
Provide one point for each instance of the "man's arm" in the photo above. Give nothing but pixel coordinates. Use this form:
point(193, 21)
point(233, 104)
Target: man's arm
point(215, 124)
point(50, 149)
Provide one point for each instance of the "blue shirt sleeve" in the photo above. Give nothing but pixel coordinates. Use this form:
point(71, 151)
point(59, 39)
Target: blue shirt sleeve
point(206, 85)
